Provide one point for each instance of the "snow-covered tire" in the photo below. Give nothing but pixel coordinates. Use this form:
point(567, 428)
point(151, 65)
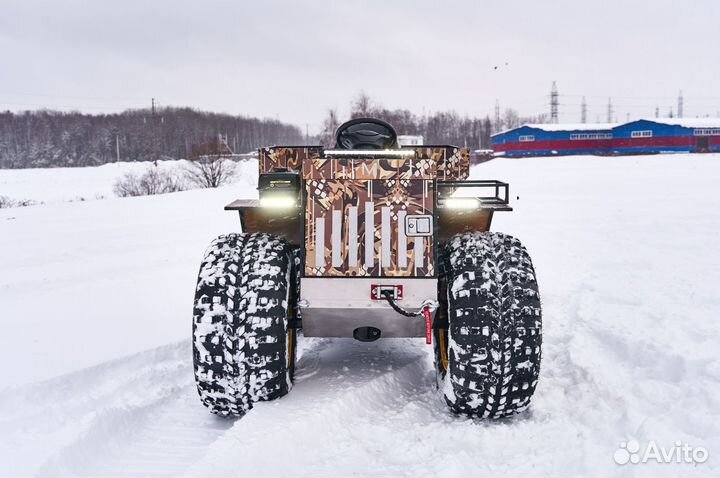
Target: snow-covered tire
point(489, 339)
point(240, 323)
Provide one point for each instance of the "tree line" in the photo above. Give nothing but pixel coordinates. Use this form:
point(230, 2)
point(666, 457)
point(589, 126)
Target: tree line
point(36, 139)
point(443, 127)
point(50, 138)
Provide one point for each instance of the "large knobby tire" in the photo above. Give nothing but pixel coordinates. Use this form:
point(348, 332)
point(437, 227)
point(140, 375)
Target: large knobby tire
point(243, 350)
point(488, 344)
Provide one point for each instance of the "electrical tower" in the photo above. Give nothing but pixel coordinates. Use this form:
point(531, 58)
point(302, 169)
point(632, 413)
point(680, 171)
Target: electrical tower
point(554, 104)
point(583, 111)
point(609, 111)
point(657, 111)
point(497, 115)
point(680, 105)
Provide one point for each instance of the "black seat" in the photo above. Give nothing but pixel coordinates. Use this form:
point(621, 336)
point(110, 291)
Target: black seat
point(365, 133)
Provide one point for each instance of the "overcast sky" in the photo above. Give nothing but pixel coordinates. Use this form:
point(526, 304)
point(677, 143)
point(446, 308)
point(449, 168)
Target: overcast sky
point(295, 59)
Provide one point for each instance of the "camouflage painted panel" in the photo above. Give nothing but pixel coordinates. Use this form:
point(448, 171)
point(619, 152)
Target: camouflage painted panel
point(357, 228)
point(365, 168)
point(292, 158)
point(443, 162)
point(317, 168)
point(452, 163)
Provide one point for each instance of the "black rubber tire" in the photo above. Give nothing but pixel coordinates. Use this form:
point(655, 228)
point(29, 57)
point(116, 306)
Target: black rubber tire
point(240, 323)
point(493, 343)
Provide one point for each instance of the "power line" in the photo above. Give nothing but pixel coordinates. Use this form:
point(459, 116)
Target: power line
point(668, 98)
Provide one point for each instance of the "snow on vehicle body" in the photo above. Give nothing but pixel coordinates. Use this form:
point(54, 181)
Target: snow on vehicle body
point(376, 237)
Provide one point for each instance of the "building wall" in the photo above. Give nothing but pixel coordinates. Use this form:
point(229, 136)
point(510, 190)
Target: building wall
point(639, 137)
point(628, 138)
point(527, 141)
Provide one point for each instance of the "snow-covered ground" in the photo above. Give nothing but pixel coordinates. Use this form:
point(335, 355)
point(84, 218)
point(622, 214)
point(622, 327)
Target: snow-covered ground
point(53, 185)
point(95, 305)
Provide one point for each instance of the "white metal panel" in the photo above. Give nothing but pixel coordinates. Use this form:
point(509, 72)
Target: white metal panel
point(385, 237)
point(336, 238)
point(352, 237)
point(337, 307)
point(419, 252)
point(369, 234)
point(320, 242)
point(354, 293)
point(402, 240)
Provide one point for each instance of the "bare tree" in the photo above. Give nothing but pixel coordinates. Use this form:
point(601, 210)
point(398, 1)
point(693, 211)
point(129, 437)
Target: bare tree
point(362, 107)
point(211, 165)
point(152, 181)
point(210, 171)
point(330, 125)
point(511, 118)
point(6, 202)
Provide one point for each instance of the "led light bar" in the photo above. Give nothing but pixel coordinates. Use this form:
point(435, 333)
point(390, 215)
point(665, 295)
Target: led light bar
point(370, 152)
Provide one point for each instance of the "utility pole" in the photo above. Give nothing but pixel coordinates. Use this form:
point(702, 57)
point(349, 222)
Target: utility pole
point(554, 104)
point(657, 111)
point(609, 111)
point(152, 107)
point(680, 105)
point(117, 148)
point(670, 114)
point(583, 111)
point(497, 115)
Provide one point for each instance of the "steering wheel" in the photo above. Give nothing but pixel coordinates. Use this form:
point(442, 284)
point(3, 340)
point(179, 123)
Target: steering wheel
point(365, 133)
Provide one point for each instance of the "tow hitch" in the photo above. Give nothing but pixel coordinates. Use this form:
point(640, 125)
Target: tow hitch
point(426, 309)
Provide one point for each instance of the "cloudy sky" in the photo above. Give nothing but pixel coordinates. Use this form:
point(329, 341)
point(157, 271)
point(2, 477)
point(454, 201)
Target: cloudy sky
point(295, 59)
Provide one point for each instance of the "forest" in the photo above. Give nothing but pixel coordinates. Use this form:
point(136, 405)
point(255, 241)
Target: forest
point(38, 139)
point(43, 138)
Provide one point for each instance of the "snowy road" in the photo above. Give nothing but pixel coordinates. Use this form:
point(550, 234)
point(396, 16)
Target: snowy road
point(627, 259)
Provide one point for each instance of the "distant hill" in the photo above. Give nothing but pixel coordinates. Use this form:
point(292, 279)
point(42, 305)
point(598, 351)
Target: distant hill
point(51, 138)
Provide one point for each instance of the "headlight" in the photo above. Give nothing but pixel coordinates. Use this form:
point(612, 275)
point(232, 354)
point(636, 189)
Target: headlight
point(278, 201)
point(280, 189)
point(461, 203)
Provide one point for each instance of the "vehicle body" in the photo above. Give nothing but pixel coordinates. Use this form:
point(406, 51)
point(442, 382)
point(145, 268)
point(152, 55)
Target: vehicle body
point(369, 226)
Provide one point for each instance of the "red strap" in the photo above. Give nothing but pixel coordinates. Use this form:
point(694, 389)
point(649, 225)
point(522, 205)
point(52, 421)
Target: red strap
point(428, 325)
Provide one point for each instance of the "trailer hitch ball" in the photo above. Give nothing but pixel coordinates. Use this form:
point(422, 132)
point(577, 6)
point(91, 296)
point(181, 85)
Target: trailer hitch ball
point(366, 334)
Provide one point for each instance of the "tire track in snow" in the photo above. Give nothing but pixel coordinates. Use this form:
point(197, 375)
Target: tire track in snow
point(342, 417)
point(133, 416)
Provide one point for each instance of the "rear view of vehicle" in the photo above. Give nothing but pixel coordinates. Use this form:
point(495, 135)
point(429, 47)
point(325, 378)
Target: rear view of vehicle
point(369, 240)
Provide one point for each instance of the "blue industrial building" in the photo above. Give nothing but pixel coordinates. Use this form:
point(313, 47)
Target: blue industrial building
point(552, 139)
point(645, 136)
point(667, 135)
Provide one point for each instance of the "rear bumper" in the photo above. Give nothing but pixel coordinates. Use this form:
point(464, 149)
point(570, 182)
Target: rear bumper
point(337, 306)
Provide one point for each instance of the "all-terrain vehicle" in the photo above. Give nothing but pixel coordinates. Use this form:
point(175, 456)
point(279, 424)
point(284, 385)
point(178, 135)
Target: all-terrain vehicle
point(368, 240)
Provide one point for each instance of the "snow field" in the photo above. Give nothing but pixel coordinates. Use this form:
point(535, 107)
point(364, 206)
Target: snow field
point(95, 305)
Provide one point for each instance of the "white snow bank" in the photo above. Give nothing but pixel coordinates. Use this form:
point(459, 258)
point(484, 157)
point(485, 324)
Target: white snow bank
point(53, 185)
